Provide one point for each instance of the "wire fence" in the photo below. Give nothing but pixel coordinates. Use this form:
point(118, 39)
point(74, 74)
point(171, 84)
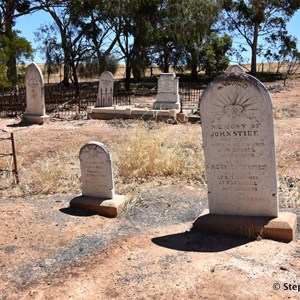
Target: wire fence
point(67, 102)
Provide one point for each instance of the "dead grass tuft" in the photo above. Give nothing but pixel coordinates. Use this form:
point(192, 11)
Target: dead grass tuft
point(156, 151)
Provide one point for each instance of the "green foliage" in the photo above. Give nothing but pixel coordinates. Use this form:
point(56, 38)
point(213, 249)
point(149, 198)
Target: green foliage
point(213, 58)
point(91, 68)
point(16, 45)
point(259, 21)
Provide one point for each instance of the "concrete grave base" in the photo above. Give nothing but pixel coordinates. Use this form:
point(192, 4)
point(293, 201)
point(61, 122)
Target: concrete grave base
point(281, 228)
point(128, 112)
point(106, 207)
point(166, 105)
point(35, 119)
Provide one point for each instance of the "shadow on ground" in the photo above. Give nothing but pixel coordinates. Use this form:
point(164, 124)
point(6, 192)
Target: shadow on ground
point(77, 212)
point(200, 242)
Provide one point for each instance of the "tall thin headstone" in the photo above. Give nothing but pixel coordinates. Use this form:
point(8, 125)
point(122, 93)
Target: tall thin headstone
point(97, 181)
point(239, 148)
point(35, 99)
point(167, 92)
point(105, 90)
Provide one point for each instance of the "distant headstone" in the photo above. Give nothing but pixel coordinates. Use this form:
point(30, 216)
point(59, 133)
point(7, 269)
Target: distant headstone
point(97, 182)
point(235, 69)
point(167, 92)
point(96, 171)
point(105, 90)
point(239, 148)
point(35, 100)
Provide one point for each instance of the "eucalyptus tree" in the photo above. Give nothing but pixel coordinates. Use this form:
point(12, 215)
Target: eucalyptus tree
point(256, 21)
point(182, 28)
point(135, 22)
point(10, 10)
point(84, 32)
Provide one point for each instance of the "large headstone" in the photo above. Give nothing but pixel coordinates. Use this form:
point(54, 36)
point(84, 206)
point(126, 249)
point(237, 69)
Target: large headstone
point(35, 100)
point(167, 92)
point(105, 90)
point(239, 149)
point(97, 181)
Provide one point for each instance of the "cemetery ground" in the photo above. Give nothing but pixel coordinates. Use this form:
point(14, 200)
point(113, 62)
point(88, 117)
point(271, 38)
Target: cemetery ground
point(50, 251)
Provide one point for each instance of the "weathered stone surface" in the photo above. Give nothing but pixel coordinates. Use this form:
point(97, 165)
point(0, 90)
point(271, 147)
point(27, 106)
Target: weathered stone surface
point(35, 100)
point(281, 228)
point(167, 92)
point(238, 140)
point(108, 208)
point(97, 182)
point(105, 90)
point(96, 171)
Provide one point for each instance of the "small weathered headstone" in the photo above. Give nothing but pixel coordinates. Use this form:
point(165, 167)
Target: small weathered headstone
point(239, 149)
point(105, 90)
point(96, 171)
point(35, 100)
point(167, 92)
point(97, 181)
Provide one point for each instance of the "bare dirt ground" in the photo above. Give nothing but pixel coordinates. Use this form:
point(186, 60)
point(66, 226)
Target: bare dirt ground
point(49, 251)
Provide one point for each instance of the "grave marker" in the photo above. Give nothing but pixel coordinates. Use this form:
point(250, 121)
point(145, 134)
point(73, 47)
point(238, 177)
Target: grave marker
point(97, 181)
point(35, 100)
point(167, 92)
point(96, 171)
point(105, 90)
point(239, 148)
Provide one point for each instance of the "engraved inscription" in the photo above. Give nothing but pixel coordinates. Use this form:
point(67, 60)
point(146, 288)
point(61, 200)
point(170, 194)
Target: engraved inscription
point(96, 171)
point(35, 102)
point(238, 136)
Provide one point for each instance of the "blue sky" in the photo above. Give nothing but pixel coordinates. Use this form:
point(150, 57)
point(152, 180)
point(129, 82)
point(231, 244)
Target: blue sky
point(30, 23)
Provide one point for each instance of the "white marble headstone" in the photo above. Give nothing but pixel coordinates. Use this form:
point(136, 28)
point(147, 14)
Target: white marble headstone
point(105, 90)
point(96, 171)
point(167, 92)
point(239, 148)
point(35, 99)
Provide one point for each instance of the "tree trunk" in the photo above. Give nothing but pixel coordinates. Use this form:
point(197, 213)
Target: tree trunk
point(12, 61)
point(194, 64)
point(127, 76)
point(254, 49)
point(166, 62)
point(11, 64)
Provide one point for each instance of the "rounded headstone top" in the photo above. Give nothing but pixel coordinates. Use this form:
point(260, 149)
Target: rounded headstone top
point(96, 145)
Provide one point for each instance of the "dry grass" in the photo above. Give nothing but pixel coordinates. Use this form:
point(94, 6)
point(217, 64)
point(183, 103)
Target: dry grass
point(289, 187)
point(158, 152)
point(151, 154)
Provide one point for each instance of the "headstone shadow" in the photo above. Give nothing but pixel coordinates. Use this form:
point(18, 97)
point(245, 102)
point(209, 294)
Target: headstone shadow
point(200, 241)
point(77, 212)
point(22, 123)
